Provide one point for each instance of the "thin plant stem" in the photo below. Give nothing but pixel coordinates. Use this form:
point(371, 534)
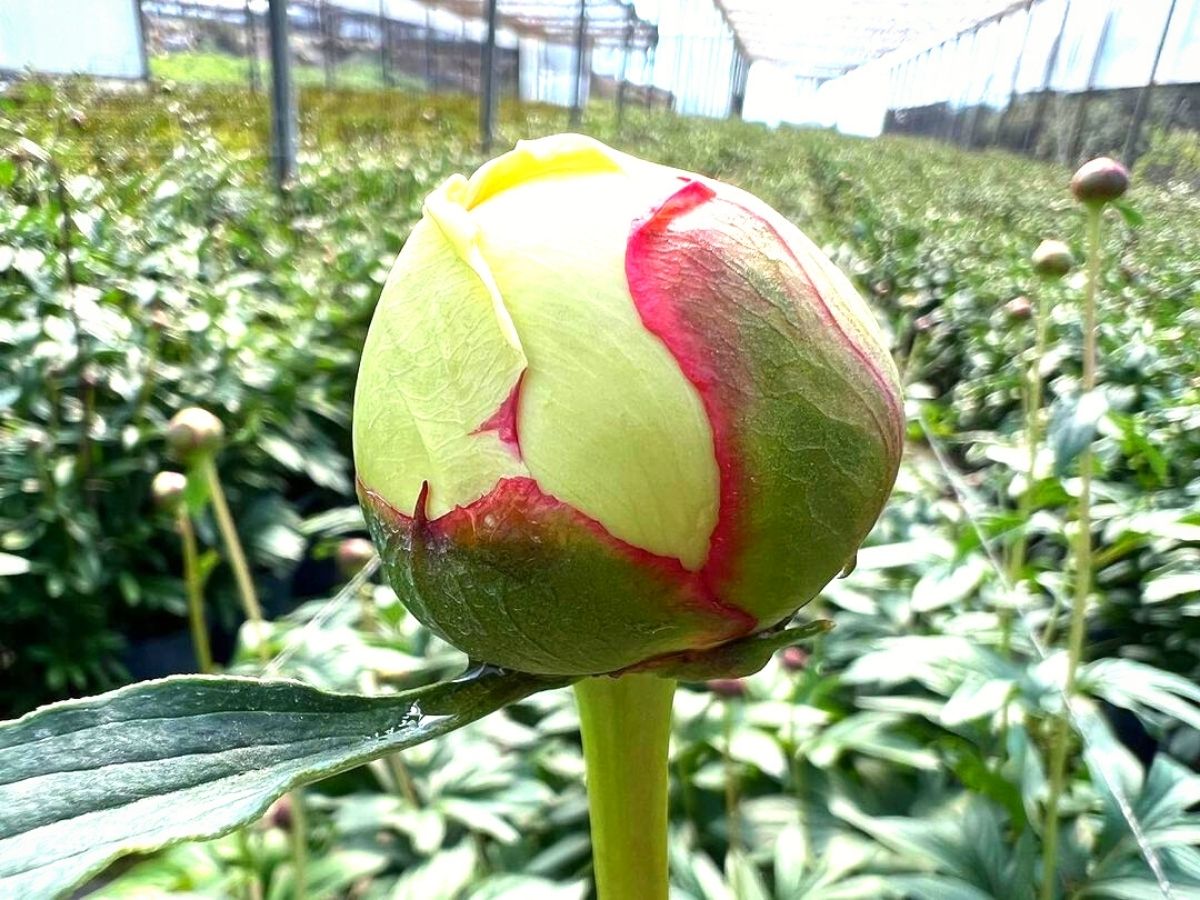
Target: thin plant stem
point(237, 556)
point(733, 825)
point(299, 846)
point(254, 890)
point(1032, 403)
point(1083, 568)
point(626, 727)
point(195, 592)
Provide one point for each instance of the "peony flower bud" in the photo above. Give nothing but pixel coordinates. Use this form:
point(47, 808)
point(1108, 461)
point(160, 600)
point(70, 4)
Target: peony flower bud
point(609, 410)
point(727, 688)
point(1018, 308)
point(167, 489)
point(1052, 259)
point(353, 554)
point(794, 659)
point(1099, 180)
point(194, 431)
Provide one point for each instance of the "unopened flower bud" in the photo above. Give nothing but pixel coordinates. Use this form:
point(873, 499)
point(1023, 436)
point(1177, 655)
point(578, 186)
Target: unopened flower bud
point(1018, 308)
point(1099, 181)
point(609, 411)
point(727, 688)
point(194, 431)
point(1052, 259)
point(794, 659)
point(353, 554)
point(168, 489)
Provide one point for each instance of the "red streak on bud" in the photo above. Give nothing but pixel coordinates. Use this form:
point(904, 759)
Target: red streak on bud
point(504, 420)
point(654, 274)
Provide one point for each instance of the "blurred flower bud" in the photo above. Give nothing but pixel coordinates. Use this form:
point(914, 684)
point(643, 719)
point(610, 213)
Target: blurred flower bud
point(279, 813)
point(168, 489)
point(1052, 259)
point(924, 323)
point(727, 688)
point(1100, 180)
point(1018, 308)
point(353, 554)
point(794, 659)
point(194, 431)
point(609, 410)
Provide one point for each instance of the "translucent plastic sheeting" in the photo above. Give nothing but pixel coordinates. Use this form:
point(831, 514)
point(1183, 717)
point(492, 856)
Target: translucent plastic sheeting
point(103, 38)
point(822, 39)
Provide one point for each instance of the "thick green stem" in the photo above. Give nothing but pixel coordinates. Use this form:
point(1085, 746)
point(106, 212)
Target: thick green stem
point(299, 846)
point(195, 593)
point(1083, 569)
point(237, 557)
point(626, 725)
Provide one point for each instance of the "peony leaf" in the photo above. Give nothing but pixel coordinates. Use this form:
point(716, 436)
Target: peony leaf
point(189, 758)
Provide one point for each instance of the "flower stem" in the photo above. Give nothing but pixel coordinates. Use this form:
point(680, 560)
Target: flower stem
point(1033, 439)
point(237, 556)
point(299, 846)
point(626, 725)
point(195, 593)
point(1083, 568)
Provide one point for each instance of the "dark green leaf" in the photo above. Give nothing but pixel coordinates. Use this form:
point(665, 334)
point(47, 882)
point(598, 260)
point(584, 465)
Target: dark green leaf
point(86, 781)
point(1073, 427)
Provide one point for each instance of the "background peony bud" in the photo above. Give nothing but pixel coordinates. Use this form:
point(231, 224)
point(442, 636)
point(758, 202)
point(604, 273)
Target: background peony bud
point(1099, 181)
point(1052, 259)
point(1018, 308)
point(609, 410)
point(353, 554)
point(168, 489)
point(194, 431)
point(727, 688)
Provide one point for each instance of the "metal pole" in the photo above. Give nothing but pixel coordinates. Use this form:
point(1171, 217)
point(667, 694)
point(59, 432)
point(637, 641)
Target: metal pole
point(431, 73)
point(1035, 124)
point(252, 47)
point(1086, 97)
point(580, 66)
point(487, 90)
point(384, 76)
point(1143, 100)
point(139, 21)
point(326, 50)
point(283, 100)
point(1012, 93)
point(625, 42)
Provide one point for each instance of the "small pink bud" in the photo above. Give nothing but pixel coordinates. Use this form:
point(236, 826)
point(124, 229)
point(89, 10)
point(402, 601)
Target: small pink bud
point(353, 554)
point(1099, 181)
point(794, 659)
point(727, 688)
point(1018, 308)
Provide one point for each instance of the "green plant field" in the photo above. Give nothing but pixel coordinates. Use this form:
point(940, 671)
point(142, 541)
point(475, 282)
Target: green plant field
point(902, 755)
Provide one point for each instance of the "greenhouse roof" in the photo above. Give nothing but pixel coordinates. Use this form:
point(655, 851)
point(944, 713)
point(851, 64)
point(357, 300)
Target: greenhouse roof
point(609, 22)
point(823, 38)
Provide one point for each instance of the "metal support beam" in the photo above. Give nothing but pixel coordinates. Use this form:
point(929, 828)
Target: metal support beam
point(1002, 120)
point(1035, 124)
point(252, 47)
point(1143, 100)
point(385, 77)
point(283, 100)
point(487, 88)
point(580, 65)
point(1074, 144)
point(624, 72)
point(139, 21)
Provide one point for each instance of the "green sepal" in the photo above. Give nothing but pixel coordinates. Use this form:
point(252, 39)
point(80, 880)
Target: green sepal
point(736, 659)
